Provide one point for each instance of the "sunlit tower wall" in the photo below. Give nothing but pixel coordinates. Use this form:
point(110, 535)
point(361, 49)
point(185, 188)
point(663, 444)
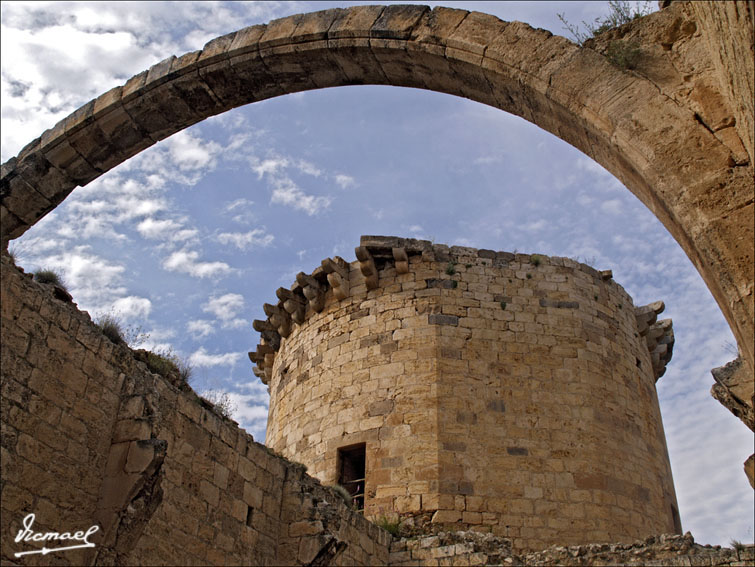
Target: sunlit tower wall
point(461, 388)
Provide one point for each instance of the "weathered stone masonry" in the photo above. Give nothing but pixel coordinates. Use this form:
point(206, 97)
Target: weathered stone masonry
point(90, 435)
point(506, 392)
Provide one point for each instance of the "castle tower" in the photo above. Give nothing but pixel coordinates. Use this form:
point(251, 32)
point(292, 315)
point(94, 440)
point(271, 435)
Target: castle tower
point(462, 388)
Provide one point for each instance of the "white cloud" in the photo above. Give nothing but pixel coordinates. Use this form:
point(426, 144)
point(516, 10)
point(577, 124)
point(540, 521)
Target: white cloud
point(241, 211)
point(535, 226)
point(190, 152)
point(289, 194)
point(166, 229)
point(133, 307)
point(200, 328)
point(285, 190)
point(246, 410)
point(185, 261)
point(224, 307)
point(202, 359)
point(238, 203)
point(131, 207)
point(245, 240)
point(308, 168)
point(157, 229)
point(613, 206)
point(270, 166)
point(345, 181)
point(92, 280)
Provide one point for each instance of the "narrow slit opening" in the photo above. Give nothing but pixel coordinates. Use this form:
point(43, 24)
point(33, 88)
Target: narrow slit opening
point(351, 473)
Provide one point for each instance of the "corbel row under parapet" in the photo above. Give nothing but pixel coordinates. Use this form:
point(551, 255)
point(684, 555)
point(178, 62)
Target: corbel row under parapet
point(659, 335)
point(307, 294)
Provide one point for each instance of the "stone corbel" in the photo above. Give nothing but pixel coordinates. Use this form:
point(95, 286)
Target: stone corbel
point(338, 276)
point(312, 290)
point(293, 303)
point(263, 357)
point(367, 266)
point(279, 318)
point(647, 316)
point(268, 332)
point(402, 260)
point(660, 341)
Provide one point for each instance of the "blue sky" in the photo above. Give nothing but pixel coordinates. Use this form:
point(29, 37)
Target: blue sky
point(189, 238)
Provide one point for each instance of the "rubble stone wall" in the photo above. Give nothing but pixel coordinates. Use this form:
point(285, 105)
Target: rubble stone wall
point(91, 436)
point(472, 548)
point(507, 392)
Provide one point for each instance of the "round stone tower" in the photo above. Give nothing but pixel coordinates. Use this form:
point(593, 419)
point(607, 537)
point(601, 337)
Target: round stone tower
point(462, 388)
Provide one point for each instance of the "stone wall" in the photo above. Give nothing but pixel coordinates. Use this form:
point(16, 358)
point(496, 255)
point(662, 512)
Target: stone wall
point(91, 436)
point(728, 30)
point(513, 393)
point(471, 548)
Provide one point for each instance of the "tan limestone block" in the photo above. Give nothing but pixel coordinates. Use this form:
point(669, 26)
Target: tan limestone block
point(139, 457)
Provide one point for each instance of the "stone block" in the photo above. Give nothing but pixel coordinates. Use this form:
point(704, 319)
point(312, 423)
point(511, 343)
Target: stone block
point(253, 496)
point(397, 22)
point(140, 455)
point(132, 430)
point(66, 159)
point(209, 493)
point(305, 528)
point(438, 319)
point(446, 517)
point(220, 477)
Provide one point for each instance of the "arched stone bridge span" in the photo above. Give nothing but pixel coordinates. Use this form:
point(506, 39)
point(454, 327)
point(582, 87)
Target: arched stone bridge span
point(655, 129)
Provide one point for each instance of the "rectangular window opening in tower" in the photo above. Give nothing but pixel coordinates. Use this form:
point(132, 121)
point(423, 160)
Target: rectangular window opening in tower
point(351, 472)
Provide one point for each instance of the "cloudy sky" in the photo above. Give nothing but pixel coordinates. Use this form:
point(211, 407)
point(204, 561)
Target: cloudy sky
point(188, 239)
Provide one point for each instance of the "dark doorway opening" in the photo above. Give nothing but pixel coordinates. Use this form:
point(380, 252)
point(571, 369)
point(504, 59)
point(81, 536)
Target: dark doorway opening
point(351, 472)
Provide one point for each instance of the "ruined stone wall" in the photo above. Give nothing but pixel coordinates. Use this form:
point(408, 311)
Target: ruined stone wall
point(472, 548)
point(91, 436)
point(728, 30)
point(510, 393)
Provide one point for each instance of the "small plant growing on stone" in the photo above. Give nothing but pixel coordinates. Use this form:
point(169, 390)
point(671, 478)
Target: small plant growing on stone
point(221, 401)
point(49, 277)
point(111, 327)
point(117, 331)
point(620, 12)
point(451, 268)
point(535, 260)
point(344, 494)
point(15, 252)
point(529, 276)
point(165, 361)
point(391, 525)
point(503, 305)
point(737, 546)
point(623, 54)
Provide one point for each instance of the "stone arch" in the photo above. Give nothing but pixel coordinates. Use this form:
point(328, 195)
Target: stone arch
point(669, 149)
